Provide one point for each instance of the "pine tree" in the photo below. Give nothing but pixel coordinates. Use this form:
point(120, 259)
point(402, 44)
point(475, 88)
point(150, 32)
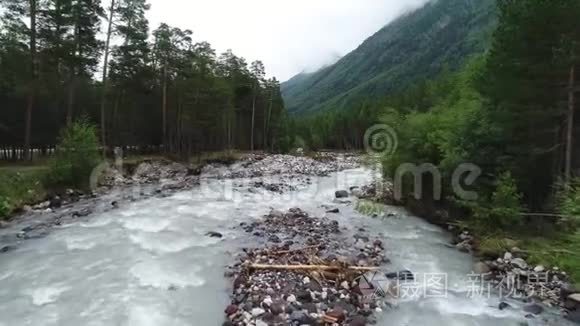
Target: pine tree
point(258, 72)
point(83, 46)
point(526, 81)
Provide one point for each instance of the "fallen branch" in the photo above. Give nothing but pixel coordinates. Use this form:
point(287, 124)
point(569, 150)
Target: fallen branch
point(547, 215)
point(313, 268)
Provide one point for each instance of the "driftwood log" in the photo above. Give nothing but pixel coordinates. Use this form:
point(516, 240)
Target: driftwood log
point(324, 268)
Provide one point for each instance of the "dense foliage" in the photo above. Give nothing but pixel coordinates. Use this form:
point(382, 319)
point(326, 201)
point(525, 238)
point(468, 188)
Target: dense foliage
point(60, 60)
point(413, 47)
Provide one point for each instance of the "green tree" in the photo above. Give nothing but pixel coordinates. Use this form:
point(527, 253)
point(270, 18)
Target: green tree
point(77, 155)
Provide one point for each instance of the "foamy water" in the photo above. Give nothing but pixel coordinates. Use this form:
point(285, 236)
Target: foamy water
point(150, 263)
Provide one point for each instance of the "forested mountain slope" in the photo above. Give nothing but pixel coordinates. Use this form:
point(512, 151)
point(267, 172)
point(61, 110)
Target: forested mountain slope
point(416, 45)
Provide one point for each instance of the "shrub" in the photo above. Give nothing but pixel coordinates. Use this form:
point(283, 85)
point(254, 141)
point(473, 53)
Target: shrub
point(76, 156)
point(504, 209)
point(300, 143)
point(4, 207)
point(568, 204)
point(369, 208)
point(569, 199)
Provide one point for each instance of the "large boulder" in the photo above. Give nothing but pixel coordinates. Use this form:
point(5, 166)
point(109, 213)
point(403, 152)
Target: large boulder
point(341, 194)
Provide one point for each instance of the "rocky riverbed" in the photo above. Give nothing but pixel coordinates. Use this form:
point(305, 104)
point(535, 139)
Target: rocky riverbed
point(292, 293)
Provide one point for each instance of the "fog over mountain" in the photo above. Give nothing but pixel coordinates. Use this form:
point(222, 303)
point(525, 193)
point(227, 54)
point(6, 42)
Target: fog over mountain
point(288, 36)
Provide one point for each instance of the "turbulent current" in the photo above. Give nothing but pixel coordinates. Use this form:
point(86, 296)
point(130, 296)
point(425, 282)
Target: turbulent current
point(150, 262)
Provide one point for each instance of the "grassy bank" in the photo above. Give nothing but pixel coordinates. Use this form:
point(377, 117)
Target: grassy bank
point(20, 185)
point(557, 250)
point(23, 183)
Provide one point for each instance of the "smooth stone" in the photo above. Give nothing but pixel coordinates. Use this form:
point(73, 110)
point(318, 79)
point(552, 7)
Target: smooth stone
point(341, 194)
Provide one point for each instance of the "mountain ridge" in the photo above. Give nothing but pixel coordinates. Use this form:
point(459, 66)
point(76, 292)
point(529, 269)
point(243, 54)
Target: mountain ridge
point(414, 46)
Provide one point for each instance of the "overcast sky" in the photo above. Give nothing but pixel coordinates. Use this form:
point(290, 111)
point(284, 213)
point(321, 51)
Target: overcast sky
point(288, 36)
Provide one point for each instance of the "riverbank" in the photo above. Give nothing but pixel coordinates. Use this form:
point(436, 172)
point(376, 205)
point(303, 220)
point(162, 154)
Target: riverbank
point(23, 187)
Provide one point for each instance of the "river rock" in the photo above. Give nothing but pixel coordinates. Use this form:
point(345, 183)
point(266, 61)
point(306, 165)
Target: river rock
point(508, 256)
point(567, 289)
point(341, 194)
point(55, 202)
point(573, 316)
point(231, 309)
point(261, 323)
point(333, 211)
point(481, 268)
point(520, 263)
point(539, 269)
point(573, 302)
point(337, 314)
point(277, 309)
point(6, 249)
point(504, 306)
point(256, 312)
point(213, 234)
point(82, 213)
point(534, 309)
point(358, 321)
point(464, 246)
